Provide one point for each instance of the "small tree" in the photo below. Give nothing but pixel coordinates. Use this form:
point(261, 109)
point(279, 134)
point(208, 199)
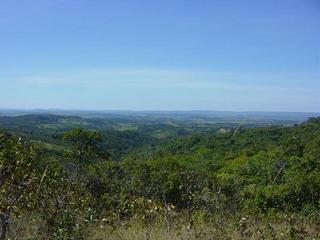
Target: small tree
point(86, 146)
point(18, 178)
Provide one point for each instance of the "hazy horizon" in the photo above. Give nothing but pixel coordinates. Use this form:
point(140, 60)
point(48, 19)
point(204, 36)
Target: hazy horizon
point(160, 56)
point(52, 110)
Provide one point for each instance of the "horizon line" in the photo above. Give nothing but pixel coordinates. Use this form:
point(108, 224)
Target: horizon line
point(153, 110)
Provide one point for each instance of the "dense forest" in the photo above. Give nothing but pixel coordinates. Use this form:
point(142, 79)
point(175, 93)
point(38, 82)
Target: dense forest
point(78, 178)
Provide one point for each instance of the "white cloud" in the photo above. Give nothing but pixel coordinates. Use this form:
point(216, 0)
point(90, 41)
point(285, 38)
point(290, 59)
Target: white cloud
point(167, 78)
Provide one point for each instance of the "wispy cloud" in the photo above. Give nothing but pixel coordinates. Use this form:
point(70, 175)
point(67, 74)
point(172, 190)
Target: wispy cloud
point(166, 78)
point(160, 89)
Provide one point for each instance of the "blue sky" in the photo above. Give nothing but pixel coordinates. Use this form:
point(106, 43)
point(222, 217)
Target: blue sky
point(160, 55)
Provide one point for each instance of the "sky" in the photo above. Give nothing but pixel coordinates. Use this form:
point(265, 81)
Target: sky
point(227, 55)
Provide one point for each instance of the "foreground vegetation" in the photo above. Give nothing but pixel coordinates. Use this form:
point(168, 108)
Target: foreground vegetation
point(260, 183)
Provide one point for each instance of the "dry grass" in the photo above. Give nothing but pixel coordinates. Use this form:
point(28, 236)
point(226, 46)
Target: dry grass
point(28, 228)
point(251, 231)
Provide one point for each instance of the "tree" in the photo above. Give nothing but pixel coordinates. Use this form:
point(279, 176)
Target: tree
point(18, 178)
point(86, 146)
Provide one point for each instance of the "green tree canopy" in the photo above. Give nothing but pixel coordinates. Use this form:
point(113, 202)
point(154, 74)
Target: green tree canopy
point(86, 146)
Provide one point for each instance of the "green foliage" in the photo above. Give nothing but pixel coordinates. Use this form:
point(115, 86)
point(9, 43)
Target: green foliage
point(85, 146)
point(270, 173)
point(18, 176)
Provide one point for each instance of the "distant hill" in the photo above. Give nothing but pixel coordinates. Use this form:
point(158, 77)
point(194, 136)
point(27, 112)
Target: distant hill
point(125, 130)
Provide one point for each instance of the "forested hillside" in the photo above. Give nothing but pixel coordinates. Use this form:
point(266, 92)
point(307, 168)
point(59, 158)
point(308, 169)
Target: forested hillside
point(236, 183)
point(125, 131)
